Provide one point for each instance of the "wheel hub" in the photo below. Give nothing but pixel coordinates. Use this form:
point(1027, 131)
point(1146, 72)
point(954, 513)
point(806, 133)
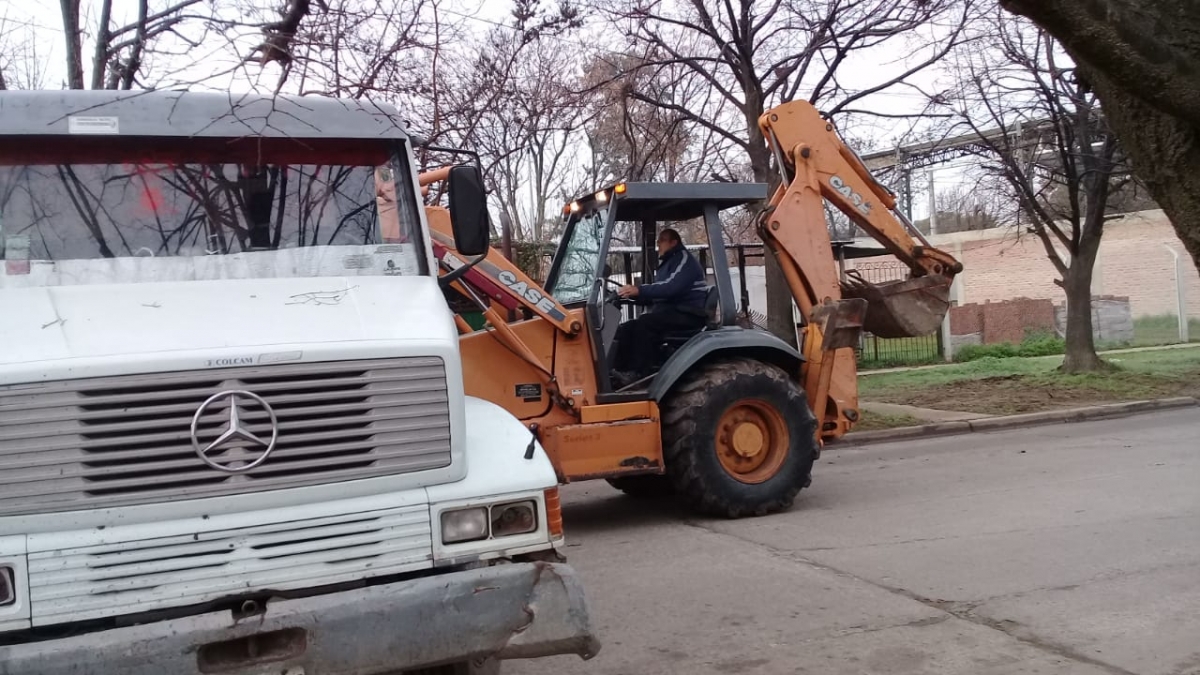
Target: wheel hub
point(747, 439)
point(752, 441)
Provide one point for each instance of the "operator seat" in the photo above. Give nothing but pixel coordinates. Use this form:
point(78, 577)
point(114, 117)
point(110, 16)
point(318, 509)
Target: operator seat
point(712, 311)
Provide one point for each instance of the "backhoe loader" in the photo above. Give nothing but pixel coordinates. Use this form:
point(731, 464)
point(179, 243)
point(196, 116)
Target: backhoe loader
point(734, 418)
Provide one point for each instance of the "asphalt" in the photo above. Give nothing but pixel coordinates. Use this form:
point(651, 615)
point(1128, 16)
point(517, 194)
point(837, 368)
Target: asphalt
point(1070, 549)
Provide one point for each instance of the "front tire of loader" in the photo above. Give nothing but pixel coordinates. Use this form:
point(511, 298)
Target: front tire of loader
point(738, 439)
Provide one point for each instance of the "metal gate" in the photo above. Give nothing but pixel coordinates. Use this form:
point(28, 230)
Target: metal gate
point(877, 352)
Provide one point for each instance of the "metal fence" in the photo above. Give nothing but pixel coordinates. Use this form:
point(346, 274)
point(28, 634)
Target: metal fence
point(872, 352)
point(877, 352)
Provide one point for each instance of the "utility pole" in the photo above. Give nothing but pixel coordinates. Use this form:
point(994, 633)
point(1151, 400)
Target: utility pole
point(947, 347)
point(907, 192)
point(932, 205)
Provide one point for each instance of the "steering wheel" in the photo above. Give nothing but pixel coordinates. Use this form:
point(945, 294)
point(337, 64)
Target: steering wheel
point(611, 294)
point(611, 290)
point(611, 297)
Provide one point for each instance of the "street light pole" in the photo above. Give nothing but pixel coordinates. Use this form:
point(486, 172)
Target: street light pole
point(932, 205)
point(1180, 299)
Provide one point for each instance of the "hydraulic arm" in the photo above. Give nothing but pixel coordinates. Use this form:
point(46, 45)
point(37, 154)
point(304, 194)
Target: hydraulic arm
point(817, 166)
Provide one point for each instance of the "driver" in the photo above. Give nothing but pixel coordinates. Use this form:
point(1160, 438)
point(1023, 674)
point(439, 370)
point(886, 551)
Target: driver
point(676, 303)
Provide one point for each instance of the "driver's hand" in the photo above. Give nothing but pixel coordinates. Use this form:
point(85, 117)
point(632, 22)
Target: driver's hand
point(628, 291)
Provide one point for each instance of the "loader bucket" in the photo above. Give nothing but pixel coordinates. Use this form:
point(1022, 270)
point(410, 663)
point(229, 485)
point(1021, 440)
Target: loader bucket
point(907, 308)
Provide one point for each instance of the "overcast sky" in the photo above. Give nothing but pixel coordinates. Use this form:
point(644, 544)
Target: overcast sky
point(39, 21)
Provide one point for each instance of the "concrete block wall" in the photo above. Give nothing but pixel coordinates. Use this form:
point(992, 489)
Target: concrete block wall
point(1112, 319)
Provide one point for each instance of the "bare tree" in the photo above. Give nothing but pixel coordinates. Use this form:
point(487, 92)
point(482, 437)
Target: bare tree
point(350, 48)
point(17, 57)
point(118, 53)
point(971, 205)
point(629, 138)
point(531, 138)
point(1054, 151)
point(506, 99)
point(500, 96)
point(755, 54)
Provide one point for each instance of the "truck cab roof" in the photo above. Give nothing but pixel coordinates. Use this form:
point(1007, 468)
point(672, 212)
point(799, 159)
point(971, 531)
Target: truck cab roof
point(191, 114)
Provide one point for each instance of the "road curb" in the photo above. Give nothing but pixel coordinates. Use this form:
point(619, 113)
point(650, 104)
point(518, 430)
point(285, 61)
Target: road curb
point(1010, 421)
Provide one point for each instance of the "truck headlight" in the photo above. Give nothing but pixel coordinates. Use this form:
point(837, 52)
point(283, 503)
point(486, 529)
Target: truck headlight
point(494, 521)
point(8, 587)
point(514, 518)
point(464, 525)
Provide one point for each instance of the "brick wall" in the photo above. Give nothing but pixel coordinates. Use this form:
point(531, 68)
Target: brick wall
point(1002, 264)
point(966, 319)
point(1134, 262)
point(1006, 321)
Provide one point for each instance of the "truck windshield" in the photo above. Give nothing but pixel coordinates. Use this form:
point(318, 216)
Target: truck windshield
point(581, 258)
point(254, 208)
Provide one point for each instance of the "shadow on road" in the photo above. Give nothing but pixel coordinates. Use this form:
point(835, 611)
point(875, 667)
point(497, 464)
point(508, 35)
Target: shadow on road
point(611, 511)
point(601, 510)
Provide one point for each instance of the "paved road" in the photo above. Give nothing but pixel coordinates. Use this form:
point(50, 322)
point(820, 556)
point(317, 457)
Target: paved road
point(1071, 549)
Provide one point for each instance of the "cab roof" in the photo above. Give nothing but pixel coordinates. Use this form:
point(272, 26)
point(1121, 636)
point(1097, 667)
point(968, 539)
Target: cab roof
point(681, 201)
point(193, 114)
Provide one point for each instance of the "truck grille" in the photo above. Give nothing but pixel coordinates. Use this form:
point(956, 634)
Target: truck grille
point(131, 569)
point(120, 441)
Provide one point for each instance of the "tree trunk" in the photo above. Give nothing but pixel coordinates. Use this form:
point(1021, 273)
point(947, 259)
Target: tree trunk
point(73, 38)
point(1081, 354)
point(1165, 152)
point(1140, 56)
point(780, 319)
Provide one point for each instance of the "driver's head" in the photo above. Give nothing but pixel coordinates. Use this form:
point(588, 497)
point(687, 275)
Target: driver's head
point(667, 240)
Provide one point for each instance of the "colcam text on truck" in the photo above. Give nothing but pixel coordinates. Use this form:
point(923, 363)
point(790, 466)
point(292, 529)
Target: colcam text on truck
point(233, 432)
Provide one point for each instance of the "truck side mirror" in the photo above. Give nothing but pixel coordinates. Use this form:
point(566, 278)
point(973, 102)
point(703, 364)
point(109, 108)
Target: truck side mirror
point(468, 211)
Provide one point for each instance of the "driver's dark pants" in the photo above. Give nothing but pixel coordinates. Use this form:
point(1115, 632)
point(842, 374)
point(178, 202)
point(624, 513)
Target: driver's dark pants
point(638, 340)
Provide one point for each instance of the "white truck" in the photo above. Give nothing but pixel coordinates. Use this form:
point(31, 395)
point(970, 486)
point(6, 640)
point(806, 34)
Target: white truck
point(233, 434)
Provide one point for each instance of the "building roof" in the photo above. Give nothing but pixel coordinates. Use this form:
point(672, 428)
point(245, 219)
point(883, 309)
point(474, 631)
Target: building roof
point(193, 114)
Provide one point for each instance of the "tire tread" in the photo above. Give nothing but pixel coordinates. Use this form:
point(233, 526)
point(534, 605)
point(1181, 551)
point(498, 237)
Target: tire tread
point(682, 416)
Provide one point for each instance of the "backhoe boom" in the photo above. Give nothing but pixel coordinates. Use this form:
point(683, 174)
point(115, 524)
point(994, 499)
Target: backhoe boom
point(817, 166)
point(812, 154)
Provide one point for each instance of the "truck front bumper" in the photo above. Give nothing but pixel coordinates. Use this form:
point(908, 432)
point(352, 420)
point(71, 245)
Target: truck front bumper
point(521, 610)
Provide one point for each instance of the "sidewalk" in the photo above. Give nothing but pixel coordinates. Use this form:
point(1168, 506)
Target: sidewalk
point(1129, 350)
point(923, 414)
point(986, 423)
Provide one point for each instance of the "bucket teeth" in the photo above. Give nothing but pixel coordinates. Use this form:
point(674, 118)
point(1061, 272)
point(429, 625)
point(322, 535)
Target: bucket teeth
point(908, 308)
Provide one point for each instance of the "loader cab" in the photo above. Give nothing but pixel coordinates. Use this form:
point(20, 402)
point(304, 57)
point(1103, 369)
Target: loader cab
point(609, 240)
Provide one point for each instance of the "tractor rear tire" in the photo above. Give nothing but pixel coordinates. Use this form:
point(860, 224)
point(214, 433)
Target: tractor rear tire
point(644, 487)
point(738, 439)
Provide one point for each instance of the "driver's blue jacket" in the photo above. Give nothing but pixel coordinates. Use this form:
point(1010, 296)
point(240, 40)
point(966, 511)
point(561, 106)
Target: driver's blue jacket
point(679, 281)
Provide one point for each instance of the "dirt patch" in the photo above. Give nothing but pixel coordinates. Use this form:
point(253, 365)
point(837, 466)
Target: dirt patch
point(871, 421)
point(1012, 394)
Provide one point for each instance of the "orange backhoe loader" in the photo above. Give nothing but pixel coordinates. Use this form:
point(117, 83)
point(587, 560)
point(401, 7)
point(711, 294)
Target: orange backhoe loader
point(734, 418)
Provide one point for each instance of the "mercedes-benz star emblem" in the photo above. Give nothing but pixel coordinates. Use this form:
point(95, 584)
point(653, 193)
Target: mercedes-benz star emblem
point(236, 434)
